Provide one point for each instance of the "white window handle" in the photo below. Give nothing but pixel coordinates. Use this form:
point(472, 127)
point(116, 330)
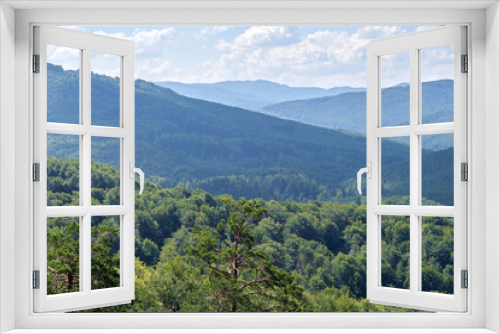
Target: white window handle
point(139, 171)
point(368, 171)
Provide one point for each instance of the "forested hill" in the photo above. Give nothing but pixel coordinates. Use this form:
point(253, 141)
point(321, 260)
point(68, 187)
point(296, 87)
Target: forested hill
point(348, 111)
point(322, 245)
point(221, 149)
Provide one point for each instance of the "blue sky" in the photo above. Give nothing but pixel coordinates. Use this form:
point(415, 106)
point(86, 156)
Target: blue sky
point(296, 56)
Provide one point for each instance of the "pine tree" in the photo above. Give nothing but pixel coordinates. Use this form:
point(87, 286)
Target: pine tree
point(242, 278)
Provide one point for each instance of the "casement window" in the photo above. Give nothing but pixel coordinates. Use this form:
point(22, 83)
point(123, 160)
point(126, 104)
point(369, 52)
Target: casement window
point(77, 127)
point(474, 128)
point(412, 48)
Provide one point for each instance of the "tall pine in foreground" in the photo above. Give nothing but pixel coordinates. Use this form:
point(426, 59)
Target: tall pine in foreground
point(242, 278)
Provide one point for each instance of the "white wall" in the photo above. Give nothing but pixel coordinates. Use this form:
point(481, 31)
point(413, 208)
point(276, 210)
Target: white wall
point(7, 162)
point(492, 164)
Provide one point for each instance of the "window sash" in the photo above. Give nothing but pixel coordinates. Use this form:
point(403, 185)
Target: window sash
point(86, 298)
point(414, 297)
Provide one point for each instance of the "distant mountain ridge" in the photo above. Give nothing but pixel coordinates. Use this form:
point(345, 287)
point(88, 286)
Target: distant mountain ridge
point(341, 108)
point(251, 95)
point(348, 111)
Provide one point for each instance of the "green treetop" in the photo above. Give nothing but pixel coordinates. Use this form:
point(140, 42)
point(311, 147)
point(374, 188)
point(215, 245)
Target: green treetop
point(242, 278)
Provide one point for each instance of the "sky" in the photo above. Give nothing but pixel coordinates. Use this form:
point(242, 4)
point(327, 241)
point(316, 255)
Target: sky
point(305, 56)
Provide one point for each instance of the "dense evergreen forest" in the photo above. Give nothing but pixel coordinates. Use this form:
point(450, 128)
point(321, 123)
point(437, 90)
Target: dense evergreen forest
point(196, 252)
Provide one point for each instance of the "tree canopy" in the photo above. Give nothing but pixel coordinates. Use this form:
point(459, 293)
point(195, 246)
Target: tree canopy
point(307, 257)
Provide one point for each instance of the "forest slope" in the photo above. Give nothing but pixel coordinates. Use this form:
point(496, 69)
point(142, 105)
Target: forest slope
point(199, 144)
point(322, 245)
point(348, 111)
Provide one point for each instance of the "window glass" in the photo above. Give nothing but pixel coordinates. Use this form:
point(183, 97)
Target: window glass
point(437, 169)
point(106, 73)
point(437, 75)
point(396, 251)
point(63, 84)
point(437, 254)
point(395, 94)
point(105, 252)
point(105, 171)
point(63, 255)
point(395, 171)
point(63, 169)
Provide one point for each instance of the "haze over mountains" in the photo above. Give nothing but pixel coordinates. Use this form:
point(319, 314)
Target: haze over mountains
point(223, 149)
point(251, 95)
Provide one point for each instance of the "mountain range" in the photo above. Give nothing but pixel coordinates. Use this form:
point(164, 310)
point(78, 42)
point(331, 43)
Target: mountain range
point(348, 111)
point(222, 149)
point(251, 95)
point(341, 108)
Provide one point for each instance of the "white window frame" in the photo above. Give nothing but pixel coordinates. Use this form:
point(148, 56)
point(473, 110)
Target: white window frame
point(86, 43)
point(484, 102)
point(412, 44)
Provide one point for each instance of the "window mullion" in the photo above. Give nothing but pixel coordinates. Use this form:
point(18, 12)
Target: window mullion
point(86, 165)
point(415, 199)
point(85, 261)
point(86, 138)
point(82, 251)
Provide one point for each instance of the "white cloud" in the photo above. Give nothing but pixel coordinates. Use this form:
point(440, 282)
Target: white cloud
point(68, 58)
point(210, 31)
point(395, 69)
point(152, 37)
point(268, 52)
point(155, 69)
point(261, 36)
point(146, 41)
point(437, 63)
point(105, 64)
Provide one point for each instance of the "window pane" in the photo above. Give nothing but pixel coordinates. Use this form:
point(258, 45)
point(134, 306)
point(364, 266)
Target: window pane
point(437, 73)
point(437, 254)
point(396, 252)
point(63, 84)
point(395, 83)
point(395, 169)
point(105, 252)
point(437, 169)
point(106, 70)
point(63, 170)
point(105, 171)
point(63, 255)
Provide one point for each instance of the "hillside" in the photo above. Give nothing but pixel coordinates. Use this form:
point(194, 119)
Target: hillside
point(195, 143)
point(348, 111)
point(319, 246)
point(251, 95)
